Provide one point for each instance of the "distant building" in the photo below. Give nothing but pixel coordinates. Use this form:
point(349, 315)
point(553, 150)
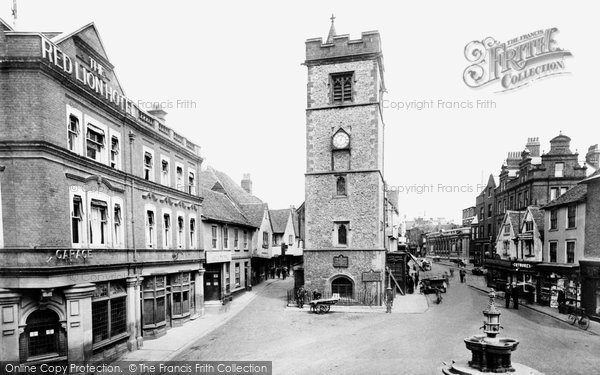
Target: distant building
point(451, 244)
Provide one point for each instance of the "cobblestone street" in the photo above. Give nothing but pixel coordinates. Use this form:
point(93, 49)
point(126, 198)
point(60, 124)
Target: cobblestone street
point(299, 342)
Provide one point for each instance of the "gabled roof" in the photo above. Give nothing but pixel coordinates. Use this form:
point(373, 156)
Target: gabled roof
point(219, 207)
point(5, 25)
point(279, 219)
point(538, 217)
point(576, 194)
point(92, 28)
point(234, 190)
point(515, 219)
point(255, 212)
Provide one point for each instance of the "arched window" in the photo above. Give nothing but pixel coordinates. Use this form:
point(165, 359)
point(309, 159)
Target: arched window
point(342, 235)
point(342, 286)
point(341, 185)
point(42, 333)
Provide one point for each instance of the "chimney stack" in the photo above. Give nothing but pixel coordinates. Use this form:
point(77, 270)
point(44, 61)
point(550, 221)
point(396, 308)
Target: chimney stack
point(247, 183)
point(533, 145)
point(158, 112)
point(593, 156)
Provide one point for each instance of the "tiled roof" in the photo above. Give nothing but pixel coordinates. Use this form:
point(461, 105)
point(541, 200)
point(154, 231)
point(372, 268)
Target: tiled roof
point(254, 212)
point(538, 217)
point(234, 190)
point(515, 219)
point(576, 194)
point(279, 219)
point(217, 206)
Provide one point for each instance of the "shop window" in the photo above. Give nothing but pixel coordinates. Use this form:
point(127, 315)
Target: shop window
point(94, 142)
point(225, 238)
point(154, 294)
point(571, 211)
point(164, 172)
point(98, 222)
point(245, 240)
point(118, 227)
point(77, 220)
point(109, 312)
point(570, 251)
point(236, 240)
point(341, 186)
point(148, 165)
point(214, 236)
point(553, 219)
point(191, 183)
point(342, 87)
point(73, 130)
point(43, 336)
point(180, 232)
point(167, 231)
point(552, 252)
point(192, 233)
point(150, 229)
point(179, 175)
point(180, 293)
point(115, 158)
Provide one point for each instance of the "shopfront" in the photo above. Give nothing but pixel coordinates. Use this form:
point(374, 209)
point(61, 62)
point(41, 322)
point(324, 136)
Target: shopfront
point(555, 279)
point(217, 279)
point(521, 272)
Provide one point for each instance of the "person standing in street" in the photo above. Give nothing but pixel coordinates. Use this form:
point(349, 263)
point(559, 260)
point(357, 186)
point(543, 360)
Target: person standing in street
point(462, 275)
point(507, 295)
point(515, 296)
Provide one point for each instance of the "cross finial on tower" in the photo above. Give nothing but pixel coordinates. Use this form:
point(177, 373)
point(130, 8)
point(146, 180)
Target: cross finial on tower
point(331, 30)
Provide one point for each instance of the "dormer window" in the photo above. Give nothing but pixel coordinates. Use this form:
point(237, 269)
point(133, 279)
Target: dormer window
point(342, 87)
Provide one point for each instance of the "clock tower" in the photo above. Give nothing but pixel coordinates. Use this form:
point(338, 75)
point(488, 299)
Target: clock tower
point(344, 185)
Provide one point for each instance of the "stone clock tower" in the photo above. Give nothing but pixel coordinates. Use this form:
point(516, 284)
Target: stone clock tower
point(344, 247)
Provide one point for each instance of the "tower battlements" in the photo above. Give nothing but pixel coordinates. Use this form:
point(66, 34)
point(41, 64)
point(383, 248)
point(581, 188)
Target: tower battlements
point(342, 46)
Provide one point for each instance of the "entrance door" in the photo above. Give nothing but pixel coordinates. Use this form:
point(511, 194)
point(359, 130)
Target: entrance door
point(212, 286)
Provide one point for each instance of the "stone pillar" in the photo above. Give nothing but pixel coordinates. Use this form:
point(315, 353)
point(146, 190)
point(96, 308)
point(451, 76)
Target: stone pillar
point(9, 325)
point(79, 321)
point(138, 312)
point(199, 295)
point(131, 320)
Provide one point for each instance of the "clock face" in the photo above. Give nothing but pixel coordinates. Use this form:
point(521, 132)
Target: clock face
point(341, 140)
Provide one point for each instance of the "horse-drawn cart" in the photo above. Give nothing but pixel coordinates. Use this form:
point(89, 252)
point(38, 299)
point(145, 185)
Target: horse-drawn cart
point(323, 305)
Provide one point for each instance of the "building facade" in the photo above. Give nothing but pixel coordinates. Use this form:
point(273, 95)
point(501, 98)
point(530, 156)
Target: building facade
point(450, 244)
point(590, 263)
point(99, 208)
point(344, 198)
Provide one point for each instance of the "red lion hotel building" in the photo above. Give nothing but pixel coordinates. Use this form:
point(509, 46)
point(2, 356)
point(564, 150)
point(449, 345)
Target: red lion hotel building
point(99, 212)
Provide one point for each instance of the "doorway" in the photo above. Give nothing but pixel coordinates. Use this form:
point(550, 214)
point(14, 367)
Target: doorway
point(212, 285)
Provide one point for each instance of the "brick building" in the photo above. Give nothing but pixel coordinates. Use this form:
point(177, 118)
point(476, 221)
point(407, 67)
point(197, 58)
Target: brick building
point(344, 198)
point(484, 224)
point(99, 240)
point(590, 263)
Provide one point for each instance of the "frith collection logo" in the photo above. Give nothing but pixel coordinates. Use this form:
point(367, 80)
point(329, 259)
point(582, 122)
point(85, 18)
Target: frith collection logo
point(515, 63)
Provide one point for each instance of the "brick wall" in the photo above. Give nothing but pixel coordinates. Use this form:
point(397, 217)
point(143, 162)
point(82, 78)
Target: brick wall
point(592, 220)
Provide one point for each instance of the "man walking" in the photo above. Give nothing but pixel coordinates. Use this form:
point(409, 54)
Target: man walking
point(507, 295)
point(515, 296)
point(463, 273)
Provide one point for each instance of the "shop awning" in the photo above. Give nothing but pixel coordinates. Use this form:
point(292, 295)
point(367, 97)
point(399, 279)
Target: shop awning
point(557, 267)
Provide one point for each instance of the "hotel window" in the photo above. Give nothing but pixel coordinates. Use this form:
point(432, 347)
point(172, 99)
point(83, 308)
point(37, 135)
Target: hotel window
point(98, 222)
point(73, 133)
point(95, 142)
point(342, 87)
point(109, 311)
point(179, 173)
point(553, 219)
point(553, 193)
point(115, 159)
point(180, 291)
point(192, 233)
point(341, 185)
point(570, 251)
point(77, 220)
point(237, 275)
point(118, 233)
point(342, 233)
point(236, 240)
point(180, 236)
point(150, 229)
point(291, 239)
point(148, 165)
point(559, 169)
point(225, 238)
point(153, 293)
point(265, 240)
point(165, 176)
point(191, 183)
point(571, 211)
point(167, 231)
point(245, 240)
point(553, 246)
point(214, 237)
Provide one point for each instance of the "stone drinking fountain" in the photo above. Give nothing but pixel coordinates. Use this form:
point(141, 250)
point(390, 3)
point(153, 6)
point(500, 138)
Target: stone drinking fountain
point(490, 353)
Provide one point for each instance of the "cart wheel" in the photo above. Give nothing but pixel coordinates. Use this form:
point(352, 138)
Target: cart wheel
point(584, 322)
point(571, 318)
point(323, 309)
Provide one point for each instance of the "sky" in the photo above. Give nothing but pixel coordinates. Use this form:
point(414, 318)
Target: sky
point(230, 75)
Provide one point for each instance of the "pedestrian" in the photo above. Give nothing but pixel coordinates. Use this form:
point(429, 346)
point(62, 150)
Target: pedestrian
point(515, 296)
point(410, 284)
point(272, 272)
point(316, 294)
point(284, 272)
point(561, 301)
point(447, 279)
point(507, 294)
point(417, 277)
point(462, 273)
point(300, 294)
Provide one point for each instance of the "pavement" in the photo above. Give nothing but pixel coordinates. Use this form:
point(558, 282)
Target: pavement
point(403, 304)
point(479, 283)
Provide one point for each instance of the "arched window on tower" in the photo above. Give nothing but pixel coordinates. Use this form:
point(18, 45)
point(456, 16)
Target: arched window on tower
point(342, 234)
point(341, 185)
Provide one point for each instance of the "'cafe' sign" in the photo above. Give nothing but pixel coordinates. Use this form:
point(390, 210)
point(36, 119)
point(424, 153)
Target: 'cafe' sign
point(91, 78)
